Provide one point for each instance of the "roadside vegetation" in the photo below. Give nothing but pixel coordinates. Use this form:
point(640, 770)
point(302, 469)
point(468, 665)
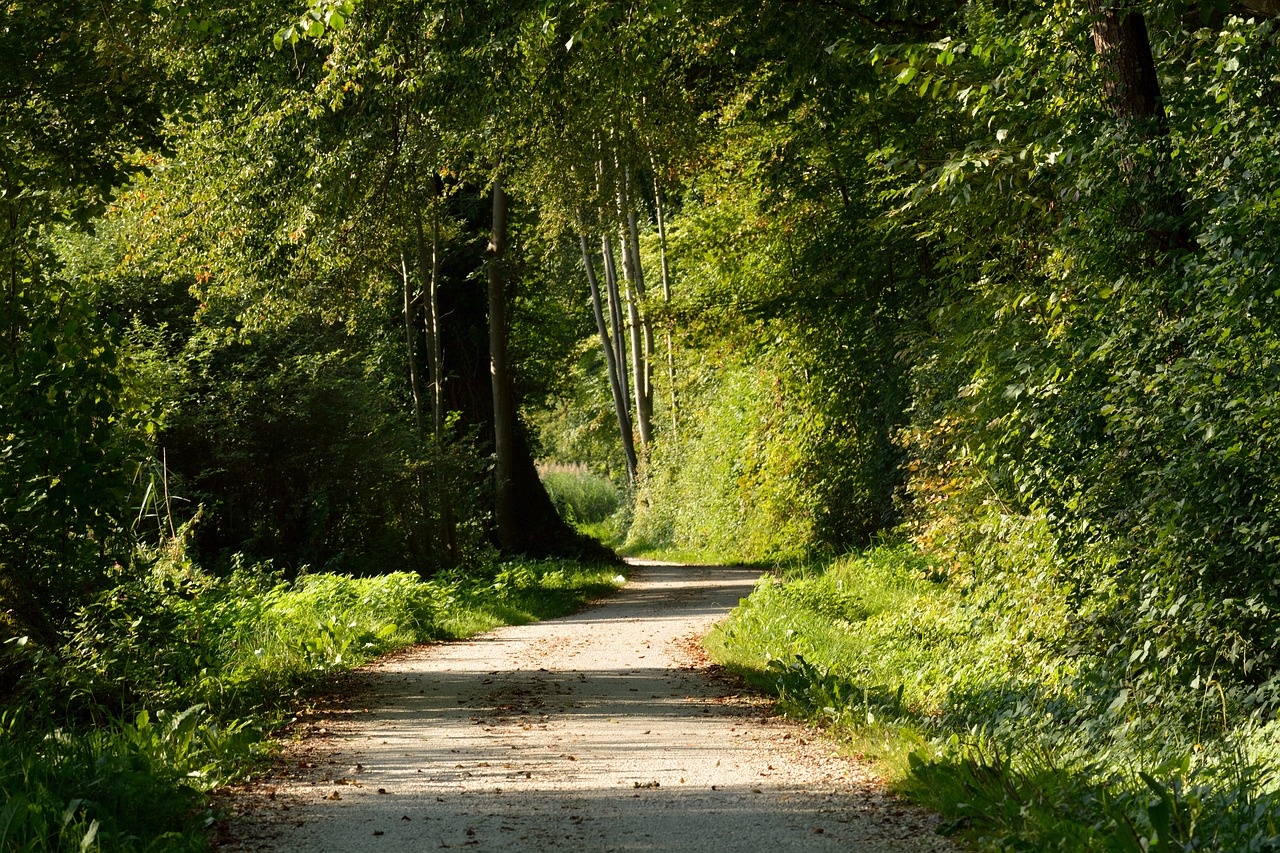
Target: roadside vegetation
point(967, 685)
point(175, 679)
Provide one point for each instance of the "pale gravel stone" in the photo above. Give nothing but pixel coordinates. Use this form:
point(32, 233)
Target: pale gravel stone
point(600, 731)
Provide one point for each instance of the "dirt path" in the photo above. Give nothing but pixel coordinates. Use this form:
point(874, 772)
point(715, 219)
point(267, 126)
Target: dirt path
point(600, 731)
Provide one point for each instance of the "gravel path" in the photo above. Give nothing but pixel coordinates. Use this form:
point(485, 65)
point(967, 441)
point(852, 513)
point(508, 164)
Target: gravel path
point(606, 730)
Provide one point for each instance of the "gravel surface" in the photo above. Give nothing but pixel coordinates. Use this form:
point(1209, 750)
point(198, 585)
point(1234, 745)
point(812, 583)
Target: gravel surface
point(606, 730)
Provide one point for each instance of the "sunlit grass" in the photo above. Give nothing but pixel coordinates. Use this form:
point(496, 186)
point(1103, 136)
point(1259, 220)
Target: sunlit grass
point(968, 701)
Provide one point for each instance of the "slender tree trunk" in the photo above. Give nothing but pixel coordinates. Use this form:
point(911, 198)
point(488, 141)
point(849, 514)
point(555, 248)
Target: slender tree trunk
point(635, 337)
point(659, 207)
point(616, 381)
point(615, 314)
point(430, 275)
point(504, 415)
point(435, 361)
point(411, 351)
point(642, 333)
point(411, 303)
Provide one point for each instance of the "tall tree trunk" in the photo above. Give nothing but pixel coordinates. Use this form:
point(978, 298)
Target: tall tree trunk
point(411, 303)
point(504, 414)
point(635, 338)
point(616, 381)
point(615, 314)
point(431, 307)
point(411, 351)
point(526, 522)
point(659, 205)
point(641, 333)
point(430, 278)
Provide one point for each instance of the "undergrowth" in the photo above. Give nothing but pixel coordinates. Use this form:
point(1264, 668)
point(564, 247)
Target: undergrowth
point(976, 698)
point(174, 679)
point(579, 495)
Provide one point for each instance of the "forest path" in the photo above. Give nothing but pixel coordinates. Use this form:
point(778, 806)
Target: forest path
point(605, 730)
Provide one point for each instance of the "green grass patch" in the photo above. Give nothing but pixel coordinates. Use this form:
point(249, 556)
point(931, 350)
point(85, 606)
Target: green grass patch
point(174, 679)
point(579, 495)
point(975, 703)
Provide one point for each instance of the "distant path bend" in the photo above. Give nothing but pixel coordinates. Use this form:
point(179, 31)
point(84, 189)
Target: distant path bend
point(595, 732)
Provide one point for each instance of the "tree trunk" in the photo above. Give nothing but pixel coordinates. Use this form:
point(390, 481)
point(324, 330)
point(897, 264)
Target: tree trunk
point(641, 333)
point(525, 520)
point(659, 207)
point(431, 307)
point(504, 415)
point(1131, 85)
point(435, 362)
point(410, 309)
point(1124, 47)
point(615, 314)
point(634, 337)
point(616, 380)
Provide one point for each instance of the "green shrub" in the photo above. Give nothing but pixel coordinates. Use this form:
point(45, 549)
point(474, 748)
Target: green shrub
point(731, 487)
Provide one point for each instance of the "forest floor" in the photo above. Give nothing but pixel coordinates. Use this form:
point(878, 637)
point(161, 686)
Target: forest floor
point(606, 730)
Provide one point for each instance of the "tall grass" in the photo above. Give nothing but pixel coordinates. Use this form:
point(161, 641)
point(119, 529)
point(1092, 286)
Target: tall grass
point(174, 679)
point(580, 496)
point(969, 697)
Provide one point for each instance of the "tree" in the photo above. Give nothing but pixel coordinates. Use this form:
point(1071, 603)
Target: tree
point(76, 102)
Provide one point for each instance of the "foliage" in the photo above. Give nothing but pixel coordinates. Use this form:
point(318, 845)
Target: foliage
point(927, 266)
point(730, 487)
point(75, 100)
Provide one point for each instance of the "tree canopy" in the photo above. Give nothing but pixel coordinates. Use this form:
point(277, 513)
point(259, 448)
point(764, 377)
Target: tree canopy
point(797, 276)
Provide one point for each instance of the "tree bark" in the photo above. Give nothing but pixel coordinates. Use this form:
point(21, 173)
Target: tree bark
point(1133, 88)
point(525, 521)
point(1121, 40)
point(635, 338)
point(415, 383)
point(435, 362)
point(615, 314)
point(430, 276)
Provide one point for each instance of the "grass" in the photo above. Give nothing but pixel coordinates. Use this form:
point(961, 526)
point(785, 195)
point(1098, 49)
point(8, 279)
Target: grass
point(967, 697)
point(580, 496)
point(175, 679)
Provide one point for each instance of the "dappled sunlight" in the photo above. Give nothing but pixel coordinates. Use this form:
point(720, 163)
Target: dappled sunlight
point(600, 730)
